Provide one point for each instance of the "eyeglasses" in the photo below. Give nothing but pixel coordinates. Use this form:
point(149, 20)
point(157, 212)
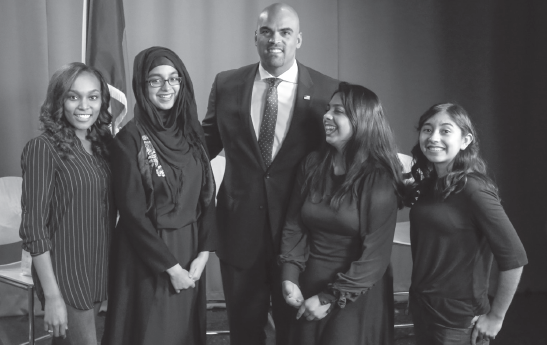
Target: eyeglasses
point(158, 82)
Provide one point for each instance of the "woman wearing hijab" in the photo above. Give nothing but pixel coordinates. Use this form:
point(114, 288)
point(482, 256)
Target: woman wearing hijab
point(164, 191)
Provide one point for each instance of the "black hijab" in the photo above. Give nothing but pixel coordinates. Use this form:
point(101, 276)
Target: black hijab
point(179, 130)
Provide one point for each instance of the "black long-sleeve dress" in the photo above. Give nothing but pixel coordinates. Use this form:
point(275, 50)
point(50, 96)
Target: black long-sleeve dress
point(143, 306)
point(343, 257)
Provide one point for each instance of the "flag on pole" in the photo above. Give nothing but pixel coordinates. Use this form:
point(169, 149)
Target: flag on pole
point(106, 51)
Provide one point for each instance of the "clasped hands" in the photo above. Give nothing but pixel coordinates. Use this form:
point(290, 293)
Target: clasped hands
point(182, 279)
point(310, 308)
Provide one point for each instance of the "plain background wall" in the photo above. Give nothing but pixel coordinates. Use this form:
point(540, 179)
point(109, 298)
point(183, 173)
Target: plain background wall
point(490, 56)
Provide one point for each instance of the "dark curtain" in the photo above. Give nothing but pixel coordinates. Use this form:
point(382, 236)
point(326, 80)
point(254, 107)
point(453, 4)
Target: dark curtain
point(489, 56)
point(36, 38)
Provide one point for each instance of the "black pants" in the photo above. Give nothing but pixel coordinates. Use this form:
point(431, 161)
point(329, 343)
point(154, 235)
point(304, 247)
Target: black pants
point(248, 292)
point(428, 333)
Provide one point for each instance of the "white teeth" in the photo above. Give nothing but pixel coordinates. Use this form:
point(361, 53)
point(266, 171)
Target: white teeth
point(329, 129)
point(83, 116)
point(435, 149)
point(165, 96)
point(275, 50)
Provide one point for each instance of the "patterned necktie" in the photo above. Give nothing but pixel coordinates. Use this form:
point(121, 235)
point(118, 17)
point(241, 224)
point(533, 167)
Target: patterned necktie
point(267, 128)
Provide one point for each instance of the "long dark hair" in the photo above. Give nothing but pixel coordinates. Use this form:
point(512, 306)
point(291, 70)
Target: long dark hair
point(467, 162)
point(371, 144)
point(57, 127)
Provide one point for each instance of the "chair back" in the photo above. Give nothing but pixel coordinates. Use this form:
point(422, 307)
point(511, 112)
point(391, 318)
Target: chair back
point(401, 256)
point(218, 165)
point(10, 219)
point(214, 289)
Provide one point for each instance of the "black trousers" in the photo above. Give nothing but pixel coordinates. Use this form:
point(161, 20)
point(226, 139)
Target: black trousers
point(248, 293)
point(428, 333)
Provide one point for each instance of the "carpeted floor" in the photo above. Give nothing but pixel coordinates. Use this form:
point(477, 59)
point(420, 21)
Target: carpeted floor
point(525, 324)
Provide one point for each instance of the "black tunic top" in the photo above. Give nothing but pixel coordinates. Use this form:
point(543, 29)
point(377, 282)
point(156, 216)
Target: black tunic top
point(341, 255)
point(68, 210)
point(453, 244)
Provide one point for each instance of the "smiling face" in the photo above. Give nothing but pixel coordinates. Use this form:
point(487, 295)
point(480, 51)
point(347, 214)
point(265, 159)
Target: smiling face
point(82, 104)
point(337, 125)
point(163, 97)
point(277, 38)
point(441, 139)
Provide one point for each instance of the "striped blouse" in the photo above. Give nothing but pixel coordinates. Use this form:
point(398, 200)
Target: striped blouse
point(68, 210)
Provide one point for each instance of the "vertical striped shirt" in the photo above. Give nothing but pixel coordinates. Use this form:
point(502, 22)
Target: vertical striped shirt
point(68, 210)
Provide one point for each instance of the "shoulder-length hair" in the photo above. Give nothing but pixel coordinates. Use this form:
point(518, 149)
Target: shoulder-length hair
point(53, 120)
point(467, 162)
point(370, 146)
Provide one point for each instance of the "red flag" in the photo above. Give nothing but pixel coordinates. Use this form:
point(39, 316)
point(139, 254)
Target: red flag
point(105, 51)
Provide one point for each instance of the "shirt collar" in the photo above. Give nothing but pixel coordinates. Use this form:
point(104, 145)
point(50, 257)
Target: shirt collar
point(291, 75)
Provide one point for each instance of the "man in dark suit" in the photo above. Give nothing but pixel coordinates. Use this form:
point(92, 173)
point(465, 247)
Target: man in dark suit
point(267, 117)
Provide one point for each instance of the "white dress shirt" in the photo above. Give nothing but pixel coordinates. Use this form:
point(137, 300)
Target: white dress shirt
point(286, 94)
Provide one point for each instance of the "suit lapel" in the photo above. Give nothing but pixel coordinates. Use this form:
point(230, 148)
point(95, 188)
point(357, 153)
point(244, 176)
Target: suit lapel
point(304, 95)
point(245, 91)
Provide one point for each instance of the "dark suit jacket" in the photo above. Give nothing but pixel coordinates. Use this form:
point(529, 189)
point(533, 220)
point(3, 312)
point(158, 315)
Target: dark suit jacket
point(250, 194)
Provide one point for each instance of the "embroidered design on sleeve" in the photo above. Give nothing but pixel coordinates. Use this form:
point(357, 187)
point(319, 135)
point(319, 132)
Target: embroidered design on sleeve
point(152, 157)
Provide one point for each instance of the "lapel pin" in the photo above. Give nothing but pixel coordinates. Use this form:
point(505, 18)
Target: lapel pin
point(307, 97)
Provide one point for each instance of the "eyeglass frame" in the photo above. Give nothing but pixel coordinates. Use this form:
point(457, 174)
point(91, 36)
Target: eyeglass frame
point(165, 80)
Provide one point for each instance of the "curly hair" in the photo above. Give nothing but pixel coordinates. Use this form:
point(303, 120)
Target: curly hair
point(467, 162)
point(56, 126)
point(371, 143)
